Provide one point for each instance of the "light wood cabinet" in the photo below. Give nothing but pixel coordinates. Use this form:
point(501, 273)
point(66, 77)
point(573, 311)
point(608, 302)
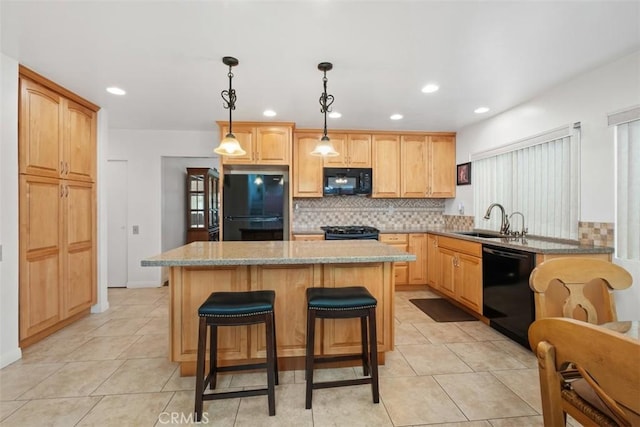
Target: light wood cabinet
point(354, 151)
point(190, 286)
point(442, 166)
point(57, 163)
point(265, 144)
point(307, 169)
point(308, 237)
point(386, 166)
point(427, 166)
point(400, 241)
point(460, 271)
point(418, 268)
point(57, 135)
point(432, 261)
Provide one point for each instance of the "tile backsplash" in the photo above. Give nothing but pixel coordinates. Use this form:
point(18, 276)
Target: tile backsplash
point(596, 233)
point(458, 222)
point(381, 213)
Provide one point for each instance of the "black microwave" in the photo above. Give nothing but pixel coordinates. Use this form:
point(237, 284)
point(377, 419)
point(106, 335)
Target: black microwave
point(347, 182)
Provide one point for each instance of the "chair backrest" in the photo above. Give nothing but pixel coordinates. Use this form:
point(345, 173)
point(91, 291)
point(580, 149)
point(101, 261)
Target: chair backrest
point(610, 358)
point(577, 288)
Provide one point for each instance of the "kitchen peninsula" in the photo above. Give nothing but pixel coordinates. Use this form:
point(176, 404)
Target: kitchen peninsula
point(288, 268)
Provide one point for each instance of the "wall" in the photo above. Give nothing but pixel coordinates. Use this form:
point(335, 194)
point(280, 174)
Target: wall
point(587, 98)
point(9, 350)
point(144, 150)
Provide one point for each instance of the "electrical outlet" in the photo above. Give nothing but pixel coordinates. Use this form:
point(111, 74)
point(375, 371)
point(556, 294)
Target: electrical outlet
point(136, 229)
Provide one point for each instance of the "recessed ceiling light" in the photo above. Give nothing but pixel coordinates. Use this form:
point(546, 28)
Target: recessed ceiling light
point(481, 110)
point(269, 113)
point(335, 115)
point(396, 116)
point(115, 90)
point(430, 88)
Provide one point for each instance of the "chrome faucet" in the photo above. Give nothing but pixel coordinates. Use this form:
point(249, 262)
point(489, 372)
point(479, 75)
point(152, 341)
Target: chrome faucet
point(523, 231)
point(504, 222)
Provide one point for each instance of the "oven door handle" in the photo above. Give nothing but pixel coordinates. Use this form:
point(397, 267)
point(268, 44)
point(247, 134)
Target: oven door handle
point(500, 253)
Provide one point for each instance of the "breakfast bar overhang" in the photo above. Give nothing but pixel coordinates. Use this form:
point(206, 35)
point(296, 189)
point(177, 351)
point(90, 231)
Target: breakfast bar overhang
point(288, 268)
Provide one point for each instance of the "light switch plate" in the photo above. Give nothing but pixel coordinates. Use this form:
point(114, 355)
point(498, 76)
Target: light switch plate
point(136, 229)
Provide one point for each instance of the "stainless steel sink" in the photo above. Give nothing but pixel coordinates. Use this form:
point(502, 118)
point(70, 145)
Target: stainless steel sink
point(479, 234)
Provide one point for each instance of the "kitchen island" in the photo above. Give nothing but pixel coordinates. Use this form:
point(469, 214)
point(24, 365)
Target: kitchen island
point(288, 268)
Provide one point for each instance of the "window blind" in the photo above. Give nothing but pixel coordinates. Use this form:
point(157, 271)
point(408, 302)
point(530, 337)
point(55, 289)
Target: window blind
point(627, 137)
point(538, 177)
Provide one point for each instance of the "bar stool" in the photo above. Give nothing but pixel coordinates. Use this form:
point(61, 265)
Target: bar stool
point(343, 303)
point(235, 309)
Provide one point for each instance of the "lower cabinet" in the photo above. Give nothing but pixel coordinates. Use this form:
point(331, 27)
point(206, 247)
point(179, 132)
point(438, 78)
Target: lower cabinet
point(409, 273)
point(57, 254)
point(460, 271)
point(299, 237)
point(432, 261)
point(400, 241)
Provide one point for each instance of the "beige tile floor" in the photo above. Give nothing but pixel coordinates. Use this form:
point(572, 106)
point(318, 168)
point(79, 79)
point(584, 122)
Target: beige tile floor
point(111, 369)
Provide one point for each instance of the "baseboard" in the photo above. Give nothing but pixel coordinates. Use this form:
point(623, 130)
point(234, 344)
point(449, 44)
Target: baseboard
point(8, 357)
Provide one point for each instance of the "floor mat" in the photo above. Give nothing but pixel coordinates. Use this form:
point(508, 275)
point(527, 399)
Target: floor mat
point(441, 310)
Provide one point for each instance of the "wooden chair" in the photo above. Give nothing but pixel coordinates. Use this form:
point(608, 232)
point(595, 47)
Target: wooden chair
point(578, 288)
point(607, 359)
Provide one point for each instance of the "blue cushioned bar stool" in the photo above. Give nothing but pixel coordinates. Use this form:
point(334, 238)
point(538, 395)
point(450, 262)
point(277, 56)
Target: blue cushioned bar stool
point(343, 303)
point(235, 309)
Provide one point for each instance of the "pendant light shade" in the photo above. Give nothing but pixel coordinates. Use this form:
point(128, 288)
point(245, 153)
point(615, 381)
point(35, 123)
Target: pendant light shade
point(324, 147)
point(229, 146)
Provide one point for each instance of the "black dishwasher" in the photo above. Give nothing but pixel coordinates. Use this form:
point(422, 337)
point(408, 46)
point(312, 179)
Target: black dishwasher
point(507, 300)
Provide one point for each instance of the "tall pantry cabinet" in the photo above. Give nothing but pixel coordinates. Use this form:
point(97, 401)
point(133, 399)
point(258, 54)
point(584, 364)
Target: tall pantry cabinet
point(57, 206)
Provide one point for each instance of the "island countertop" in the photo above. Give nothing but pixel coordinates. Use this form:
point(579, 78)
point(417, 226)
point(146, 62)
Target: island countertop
point(278, 252)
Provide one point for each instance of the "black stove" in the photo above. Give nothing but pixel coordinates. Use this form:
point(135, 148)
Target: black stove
point(346, 232)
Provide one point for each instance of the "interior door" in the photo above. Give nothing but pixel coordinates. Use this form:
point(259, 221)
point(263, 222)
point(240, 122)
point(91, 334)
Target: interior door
point(117, 276)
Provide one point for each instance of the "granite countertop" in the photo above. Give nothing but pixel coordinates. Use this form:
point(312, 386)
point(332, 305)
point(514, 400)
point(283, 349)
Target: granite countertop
point(535, 244)
point(278, 252)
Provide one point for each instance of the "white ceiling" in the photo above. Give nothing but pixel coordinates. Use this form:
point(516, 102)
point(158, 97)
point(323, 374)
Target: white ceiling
point(168, 56)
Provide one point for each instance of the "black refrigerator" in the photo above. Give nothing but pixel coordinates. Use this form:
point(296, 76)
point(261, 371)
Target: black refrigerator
point(254, 206)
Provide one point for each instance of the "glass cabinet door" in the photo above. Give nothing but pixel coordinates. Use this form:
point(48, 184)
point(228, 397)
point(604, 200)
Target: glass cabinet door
point(196, 196)
point(202, 204)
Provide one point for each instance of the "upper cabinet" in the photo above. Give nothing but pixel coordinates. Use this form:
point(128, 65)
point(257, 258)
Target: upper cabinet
point(354, 149)
point(427, 166)
point(307, 169)
point(386, 166)
point(265, 143)
point(57, 138)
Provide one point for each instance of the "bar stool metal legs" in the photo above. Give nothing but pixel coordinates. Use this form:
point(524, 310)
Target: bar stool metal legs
point(343, 303)
point(235, 309)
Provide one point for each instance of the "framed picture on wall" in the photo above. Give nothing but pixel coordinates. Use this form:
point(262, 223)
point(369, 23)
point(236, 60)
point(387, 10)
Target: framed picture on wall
point(464, 174)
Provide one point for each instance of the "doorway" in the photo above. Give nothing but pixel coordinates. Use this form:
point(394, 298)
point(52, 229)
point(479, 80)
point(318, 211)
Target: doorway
point(117, 206)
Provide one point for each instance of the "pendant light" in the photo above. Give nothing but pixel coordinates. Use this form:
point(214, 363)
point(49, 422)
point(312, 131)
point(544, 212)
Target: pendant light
point(229, 146)
point(325, 147)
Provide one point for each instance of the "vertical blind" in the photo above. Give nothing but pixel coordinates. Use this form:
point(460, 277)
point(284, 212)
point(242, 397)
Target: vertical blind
point(628, 190)
point(538, 177)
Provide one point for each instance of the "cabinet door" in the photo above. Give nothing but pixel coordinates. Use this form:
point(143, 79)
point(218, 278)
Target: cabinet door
point(433, 262)
point(273, 145)
point(79, 143)
point(40, 254)
point(418, 268)
point(415, 177)
point(386, 166)
point(79, 261)
point(442, 166)
point(342, 336)
point(359, 151)
point(290, 284)
point(41, 130)
point(469, 281)
point(307, 237)
point(307, 169)
point(339, 142)
point(447, 281)
point(246, 137)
